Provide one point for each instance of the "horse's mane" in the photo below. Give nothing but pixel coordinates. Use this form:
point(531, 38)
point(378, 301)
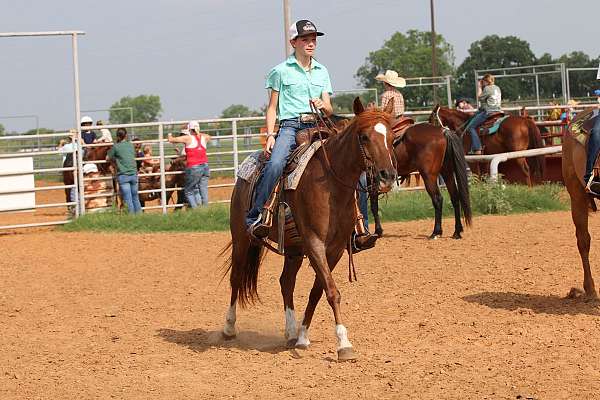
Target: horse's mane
point(369, 117)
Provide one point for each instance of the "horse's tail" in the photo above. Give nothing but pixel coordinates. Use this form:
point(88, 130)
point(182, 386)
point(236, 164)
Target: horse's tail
point(536, 163)
point(455, 153)
point(243, 269)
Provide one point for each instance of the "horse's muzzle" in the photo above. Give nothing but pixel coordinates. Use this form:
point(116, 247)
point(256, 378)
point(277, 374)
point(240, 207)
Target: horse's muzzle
point(386, 180)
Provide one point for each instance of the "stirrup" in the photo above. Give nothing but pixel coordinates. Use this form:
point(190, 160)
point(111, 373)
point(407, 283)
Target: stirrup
point(258, 229)
point(360, 245)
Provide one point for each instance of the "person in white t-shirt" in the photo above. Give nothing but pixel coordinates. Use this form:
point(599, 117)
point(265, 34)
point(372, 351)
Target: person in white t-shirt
point(105, 136)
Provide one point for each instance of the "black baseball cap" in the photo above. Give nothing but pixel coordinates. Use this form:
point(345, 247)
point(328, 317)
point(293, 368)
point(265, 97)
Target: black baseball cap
point(303, 27)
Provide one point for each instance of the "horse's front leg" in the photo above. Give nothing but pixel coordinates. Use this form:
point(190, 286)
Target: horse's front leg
point(287, 281)
point(323, 266)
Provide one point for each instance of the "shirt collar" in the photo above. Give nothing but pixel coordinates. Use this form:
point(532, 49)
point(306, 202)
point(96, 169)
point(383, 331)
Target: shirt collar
point(292, 60)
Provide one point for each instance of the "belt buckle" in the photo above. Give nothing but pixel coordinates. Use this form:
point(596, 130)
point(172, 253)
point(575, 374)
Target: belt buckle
point(307, 118)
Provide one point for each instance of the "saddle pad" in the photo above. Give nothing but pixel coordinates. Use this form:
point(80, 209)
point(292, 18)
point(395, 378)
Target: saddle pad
point(293, 178)
point(494, 128)
point(249, 166)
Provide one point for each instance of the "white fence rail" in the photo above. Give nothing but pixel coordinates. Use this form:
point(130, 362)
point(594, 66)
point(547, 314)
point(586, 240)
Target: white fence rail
point(232, 140)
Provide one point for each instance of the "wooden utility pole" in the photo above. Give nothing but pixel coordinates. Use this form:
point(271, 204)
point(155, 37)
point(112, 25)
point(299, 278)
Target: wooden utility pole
point(286, 26)
point(433, 55)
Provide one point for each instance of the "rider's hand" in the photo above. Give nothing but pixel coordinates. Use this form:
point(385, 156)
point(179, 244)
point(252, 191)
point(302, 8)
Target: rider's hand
point(269, 145)
point(318, 103)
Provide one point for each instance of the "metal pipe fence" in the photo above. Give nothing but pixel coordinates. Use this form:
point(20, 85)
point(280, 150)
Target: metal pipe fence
point(231, 140)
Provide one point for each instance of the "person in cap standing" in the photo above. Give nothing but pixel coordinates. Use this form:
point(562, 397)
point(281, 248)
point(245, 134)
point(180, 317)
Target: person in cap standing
point(196, 171)
point(123, 154)
point(88, 135)
point(294, 84)
point(391, 81)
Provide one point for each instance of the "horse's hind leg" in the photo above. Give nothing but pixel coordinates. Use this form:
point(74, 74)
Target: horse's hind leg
point(287, 280)
point(433, 189)
point(239, 256)
point(579, 213)
point(313, 299)
point(453, 192)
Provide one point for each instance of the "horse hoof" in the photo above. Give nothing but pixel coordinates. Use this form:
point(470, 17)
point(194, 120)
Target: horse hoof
point(291, 343)
point(347, 354)
point(435, 236)
point(379, 232)
point(228, 336)
point(301, 346)
point(576, 293)
point(456, 236)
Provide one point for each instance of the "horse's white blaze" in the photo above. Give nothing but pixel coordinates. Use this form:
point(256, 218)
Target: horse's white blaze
point(380, 128)
point(303, 337)
point(229, 328)
point(291, 329)
point(342, 335)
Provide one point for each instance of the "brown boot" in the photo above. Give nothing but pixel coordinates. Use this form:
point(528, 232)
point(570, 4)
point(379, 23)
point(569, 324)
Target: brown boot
point(363, 242)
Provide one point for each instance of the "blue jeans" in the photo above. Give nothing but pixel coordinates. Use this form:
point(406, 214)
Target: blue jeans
point(363, 198)
point(128, 185)
point(593, 147)
point(475, 123)
point(196, 185)
point(285, 143)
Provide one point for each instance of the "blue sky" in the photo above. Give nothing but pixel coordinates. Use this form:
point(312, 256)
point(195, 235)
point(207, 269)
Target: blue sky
point(201, 56)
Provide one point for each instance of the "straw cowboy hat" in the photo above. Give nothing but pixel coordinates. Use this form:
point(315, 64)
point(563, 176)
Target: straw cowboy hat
point(391, 77)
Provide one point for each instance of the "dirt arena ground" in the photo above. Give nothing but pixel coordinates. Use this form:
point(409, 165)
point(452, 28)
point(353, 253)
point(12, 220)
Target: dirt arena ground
point(95, 316)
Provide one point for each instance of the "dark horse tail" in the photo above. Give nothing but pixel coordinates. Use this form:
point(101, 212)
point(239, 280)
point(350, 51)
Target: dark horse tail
point(456, 155)
point(537, 163)
point(244, 273)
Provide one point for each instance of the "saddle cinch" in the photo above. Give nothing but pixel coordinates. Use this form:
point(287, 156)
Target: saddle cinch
point(308, 142)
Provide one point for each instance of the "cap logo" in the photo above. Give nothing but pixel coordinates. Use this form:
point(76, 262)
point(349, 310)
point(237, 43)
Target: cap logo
point(309, 27)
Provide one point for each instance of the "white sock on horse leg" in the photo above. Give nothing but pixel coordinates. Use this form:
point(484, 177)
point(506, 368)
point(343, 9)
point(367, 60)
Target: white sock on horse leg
point(229, 328)
point(303, 337)
point(342, 335)
point(291, 328)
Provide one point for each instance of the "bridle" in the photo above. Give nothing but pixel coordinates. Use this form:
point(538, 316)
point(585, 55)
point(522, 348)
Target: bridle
point(329, 126)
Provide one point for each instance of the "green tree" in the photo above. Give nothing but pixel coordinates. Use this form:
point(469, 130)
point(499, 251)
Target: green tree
point(42, 131)
point(410, 55)
point(494, 51)
point(2, 130)
point(146, 108)
point(238, 111)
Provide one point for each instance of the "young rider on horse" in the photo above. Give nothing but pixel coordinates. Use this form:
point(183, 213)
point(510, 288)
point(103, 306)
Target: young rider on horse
point(490, 97)
point(294, 84)
point(593, 148)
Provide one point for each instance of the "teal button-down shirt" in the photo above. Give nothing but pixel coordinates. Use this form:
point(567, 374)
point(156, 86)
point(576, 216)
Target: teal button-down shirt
point(297, 86)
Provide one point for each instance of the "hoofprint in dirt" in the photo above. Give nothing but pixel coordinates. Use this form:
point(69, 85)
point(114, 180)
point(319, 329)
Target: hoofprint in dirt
point(140, 316)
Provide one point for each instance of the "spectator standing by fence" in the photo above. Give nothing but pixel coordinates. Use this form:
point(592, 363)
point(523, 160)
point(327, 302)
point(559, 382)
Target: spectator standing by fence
point(105, 136)
point(391, 81)
point(123, 154)
point(197, 171)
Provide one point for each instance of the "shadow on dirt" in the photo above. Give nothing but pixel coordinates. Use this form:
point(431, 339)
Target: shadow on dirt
point(200, 340)
point(538, 304)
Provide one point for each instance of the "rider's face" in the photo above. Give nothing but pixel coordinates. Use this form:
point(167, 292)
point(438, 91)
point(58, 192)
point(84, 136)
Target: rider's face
point(305, 45)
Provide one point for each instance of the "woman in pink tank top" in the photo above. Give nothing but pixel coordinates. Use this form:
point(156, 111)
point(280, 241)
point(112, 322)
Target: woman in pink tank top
point(196, 171)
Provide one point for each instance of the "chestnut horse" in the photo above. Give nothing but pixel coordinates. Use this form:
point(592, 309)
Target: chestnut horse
point(515, 133)
point(433, 151)
point(573, 168)
point(323, 208)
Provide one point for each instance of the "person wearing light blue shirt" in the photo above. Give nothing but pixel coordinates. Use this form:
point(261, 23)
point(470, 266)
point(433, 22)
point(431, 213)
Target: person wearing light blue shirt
point(294, 84)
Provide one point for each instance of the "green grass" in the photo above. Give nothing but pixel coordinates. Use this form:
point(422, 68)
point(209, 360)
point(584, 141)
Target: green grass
point(486, 198)
point(208, 219)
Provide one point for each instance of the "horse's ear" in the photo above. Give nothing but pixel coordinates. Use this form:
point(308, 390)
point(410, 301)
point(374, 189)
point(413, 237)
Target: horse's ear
point(357, 106)
point(389, 107)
